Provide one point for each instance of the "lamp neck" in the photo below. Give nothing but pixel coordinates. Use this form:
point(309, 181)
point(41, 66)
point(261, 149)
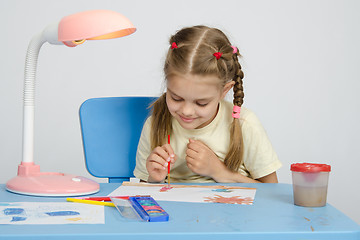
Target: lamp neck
point(30, 68)
point(50, 34)
point(29, 96)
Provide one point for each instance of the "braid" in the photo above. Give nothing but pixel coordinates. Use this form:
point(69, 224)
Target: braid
point(234, 156)
point(238, 87)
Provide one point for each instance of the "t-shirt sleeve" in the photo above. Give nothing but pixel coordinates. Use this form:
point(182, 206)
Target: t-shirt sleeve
point(260, 158)
point(143, 151)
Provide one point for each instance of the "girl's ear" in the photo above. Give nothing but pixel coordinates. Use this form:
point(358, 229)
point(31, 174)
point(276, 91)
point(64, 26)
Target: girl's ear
point(227, 88)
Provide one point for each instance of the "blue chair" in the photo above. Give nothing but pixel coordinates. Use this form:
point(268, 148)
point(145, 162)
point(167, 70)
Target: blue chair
point(111, 129)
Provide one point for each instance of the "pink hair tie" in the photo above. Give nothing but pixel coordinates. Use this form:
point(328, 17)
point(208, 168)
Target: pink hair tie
point(236, 112)
point(235, 50)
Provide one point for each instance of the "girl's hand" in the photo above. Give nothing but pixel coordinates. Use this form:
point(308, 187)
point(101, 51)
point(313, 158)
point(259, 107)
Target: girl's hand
point(202, 160)
point(157, 163)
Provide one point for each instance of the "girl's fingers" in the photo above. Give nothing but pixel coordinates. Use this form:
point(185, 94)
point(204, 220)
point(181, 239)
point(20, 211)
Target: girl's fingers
point(190, 162)
point(161, 157)
point(170, 152)
point(162, 152)
point(194, 145)
point(158, 161)
point(190, 153)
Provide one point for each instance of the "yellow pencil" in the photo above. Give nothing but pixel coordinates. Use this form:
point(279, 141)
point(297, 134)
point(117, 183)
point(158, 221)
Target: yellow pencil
point(110, 204)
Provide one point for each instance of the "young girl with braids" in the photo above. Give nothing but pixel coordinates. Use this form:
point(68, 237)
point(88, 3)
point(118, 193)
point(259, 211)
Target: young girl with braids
point(211, 139)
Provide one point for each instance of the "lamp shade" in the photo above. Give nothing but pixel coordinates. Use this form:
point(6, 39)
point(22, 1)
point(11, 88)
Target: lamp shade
point(94, 25)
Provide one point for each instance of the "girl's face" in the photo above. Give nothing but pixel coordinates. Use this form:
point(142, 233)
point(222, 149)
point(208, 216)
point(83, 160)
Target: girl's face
point(193, 100)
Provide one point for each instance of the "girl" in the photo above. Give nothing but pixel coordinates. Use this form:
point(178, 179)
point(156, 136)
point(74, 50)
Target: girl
point(211, 139)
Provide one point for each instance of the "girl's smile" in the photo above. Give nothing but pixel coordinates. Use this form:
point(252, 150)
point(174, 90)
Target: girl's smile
point(187, 120)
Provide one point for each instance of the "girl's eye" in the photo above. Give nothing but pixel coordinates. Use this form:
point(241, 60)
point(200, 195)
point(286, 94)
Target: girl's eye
point(202, 104)
point(176, 99)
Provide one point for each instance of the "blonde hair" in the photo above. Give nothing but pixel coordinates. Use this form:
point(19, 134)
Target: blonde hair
point(193, 54)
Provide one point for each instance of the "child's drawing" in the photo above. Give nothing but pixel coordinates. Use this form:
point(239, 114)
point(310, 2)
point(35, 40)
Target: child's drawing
point(231, 200)
point(50, 213)
point(165, 189)
point(189, 193)
point(221, 190)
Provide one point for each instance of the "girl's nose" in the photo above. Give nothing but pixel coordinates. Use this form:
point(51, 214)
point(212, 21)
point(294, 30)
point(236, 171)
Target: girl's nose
point(187, 109)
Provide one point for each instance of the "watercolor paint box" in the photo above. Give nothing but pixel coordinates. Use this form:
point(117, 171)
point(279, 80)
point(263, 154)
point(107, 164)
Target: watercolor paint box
point(142, 208)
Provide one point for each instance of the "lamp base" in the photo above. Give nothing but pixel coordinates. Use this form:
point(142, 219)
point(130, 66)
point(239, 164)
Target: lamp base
point(30, 181)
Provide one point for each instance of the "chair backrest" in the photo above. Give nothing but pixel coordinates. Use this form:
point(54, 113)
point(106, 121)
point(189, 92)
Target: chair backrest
point(111, 129)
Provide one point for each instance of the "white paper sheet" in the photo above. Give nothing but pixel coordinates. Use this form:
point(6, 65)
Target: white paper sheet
point(50, 213)
point(189, 193)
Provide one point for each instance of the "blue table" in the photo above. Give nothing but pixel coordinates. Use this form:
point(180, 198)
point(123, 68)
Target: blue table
point(272, 216)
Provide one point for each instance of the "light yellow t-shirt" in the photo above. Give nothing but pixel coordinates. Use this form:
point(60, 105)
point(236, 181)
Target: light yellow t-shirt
point(260, 158)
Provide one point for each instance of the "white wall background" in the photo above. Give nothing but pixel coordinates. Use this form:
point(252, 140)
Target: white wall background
point(301, 63)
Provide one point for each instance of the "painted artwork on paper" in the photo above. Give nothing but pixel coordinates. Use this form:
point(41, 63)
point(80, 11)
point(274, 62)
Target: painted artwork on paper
point(189, 193)
point(50, 213)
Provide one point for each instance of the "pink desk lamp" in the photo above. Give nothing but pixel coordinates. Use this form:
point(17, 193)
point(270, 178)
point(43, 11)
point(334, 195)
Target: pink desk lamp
point(71, 31)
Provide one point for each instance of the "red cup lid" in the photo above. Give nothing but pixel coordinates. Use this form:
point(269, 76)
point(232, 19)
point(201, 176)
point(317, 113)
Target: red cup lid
point(310, 167)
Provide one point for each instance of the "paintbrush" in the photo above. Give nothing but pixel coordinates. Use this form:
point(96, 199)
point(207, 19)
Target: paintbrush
point(169, 165)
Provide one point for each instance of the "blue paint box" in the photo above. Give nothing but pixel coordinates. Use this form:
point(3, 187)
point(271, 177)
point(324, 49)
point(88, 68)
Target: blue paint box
point(143, 208)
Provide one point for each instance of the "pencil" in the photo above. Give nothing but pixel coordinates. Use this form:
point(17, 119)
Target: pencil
point(100, 198)
point(76, 200)
point(169, 165)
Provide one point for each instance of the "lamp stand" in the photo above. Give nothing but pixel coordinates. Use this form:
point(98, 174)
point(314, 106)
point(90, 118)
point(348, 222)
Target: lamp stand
point(30, 181)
